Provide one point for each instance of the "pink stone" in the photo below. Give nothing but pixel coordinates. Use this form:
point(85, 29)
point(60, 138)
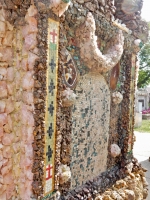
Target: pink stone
point(7, 138)
point(1, 179)
point(10, 74)
point(29, 174)
point(30, 41)
point(32, 24)
point(30, 136)
point(25, 194)
point(115, 150)
point(3, 89)
point(18, 132)
point(25, 162)
point(18, 62)
point(26, 116)
point(29, 151)
point(9, 105)
point(2, 106)
point(10, 88)
point(5, 169)
point(10, 191)
point(32, 11)
point(28, 192)
point(18, 80)
point(24, 64)
point(28, 162)
point(8, 38)
point(8, 179)
point(1, 131)
point(22, 191)
point(4, 162)
point(31, 28)
point(16, 147)
point(31, 60)
point(18, 98)
point(1, 156)
point(24, 51)
point(7, 54)
point(3, 72)
point(10, 123)
point(55, 3)
point(24, 135)
point(3, 196)
point(35, 51)
point(59, 7)
point(28, 81)
point(6, 152)
point(3, 119)
point(27, 97)
point(2, 15)
point(2, 27)
point(9, 26)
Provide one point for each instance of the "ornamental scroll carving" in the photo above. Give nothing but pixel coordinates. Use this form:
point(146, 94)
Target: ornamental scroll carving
point(89, 51)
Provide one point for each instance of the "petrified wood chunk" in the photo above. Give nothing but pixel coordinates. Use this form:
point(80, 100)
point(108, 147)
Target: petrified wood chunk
point(114, 76)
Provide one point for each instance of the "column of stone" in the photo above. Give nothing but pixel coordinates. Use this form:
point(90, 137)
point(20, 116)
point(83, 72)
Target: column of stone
point(26, 65)
point(7, 186)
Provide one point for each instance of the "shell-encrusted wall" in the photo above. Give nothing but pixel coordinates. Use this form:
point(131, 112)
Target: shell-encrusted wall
point(67, 99)
point(129, 12)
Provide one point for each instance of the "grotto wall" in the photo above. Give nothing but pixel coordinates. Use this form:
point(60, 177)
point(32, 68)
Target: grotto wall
point(67, 82)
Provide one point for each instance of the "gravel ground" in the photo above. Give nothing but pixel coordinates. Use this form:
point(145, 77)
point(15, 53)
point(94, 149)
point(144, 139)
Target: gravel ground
point(141, 151)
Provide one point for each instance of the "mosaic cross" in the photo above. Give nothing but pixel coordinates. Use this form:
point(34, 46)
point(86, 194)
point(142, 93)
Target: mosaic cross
point(49, 153)
point(48, 169)
point(53, 35)
point(51, 108)
point(52, 64)
point(50, 130)
point(51, 87)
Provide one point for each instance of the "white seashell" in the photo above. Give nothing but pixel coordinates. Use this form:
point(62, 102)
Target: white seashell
point(115, 150)
point(137, 42)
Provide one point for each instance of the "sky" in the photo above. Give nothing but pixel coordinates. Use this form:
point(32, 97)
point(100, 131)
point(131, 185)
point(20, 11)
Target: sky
point(146, 10)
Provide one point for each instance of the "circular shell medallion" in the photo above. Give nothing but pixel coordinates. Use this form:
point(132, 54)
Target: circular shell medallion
point(70, 72)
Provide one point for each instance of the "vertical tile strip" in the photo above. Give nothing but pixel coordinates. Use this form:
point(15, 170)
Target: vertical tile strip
point(50, 116)
point(132, 93)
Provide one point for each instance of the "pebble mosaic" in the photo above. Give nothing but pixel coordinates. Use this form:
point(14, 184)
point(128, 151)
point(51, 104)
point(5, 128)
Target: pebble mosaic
point(90, 127)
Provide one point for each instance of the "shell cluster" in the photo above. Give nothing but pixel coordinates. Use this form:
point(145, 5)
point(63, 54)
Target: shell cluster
point(117, 97)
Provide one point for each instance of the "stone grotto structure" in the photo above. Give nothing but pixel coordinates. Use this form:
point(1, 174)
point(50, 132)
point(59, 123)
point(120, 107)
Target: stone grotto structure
point(67, 80)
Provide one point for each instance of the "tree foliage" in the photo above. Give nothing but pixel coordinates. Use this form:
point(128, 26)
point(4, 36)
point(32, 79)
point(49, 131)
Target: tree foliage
point(144, 69)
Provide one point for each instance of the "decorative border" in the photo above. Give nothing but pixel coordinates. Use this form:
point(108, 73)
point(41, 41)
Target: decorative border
point(51, 99)
point(132, 96)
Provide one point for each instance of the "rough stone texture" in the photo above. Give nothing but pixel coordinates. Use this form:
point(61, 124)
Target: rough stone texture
point(132, 187)
point(129, 13)
point(90, 127)
point(17, 113)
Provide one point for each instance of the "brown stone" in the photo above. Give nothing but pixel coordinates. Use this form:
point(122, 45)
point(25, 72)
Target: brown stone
point(114, 76)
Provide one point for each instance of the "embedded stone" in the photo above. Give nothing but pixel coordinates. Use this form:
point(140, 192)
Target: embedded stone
point(7, 41)
point(115, 150)
point(114, 76)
